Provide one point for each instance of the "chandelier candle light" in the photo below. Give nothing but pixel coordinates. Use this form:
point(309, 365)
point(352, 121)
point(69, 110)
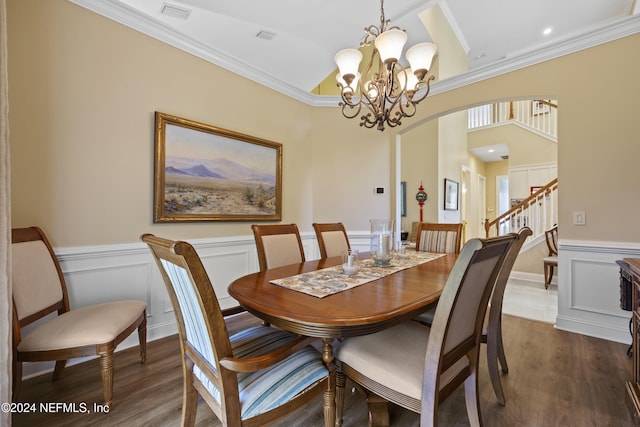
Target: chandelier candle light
point(389, 90)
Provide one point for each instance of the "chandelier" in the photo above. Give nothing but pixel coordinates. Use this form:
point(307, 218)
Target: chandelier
point(388, 90)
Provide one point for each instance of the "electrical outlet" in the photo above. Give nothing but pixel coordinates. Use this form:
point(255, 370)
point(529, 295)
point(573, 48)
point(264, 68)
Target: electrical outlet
point(579, 218)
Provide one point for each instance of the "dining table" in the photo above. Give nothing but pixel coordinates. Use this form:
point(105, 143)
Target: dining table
point(377, 303)
point(360, 310)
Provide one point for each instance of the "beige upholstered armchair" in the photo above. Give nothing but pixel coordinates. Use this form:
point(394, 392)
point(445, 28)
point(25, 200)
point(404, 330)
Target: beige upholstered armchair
point(250, 378)
point(417, 367)
point(39, 289)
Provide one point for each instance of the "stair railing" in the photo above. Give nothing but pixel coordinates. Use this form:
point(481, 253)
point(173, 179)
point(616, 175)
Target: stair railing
point(539, 212)
point(539, 115)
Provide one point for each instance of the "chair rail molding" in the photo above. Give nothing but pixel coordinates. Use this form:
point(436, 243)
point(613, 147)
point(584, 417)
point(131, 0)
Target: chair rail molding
point(588, 295)
point(101, 273)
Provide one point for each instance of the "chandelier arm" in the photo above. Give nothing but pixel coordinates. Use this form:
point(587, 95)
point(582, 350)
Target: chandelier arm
point(423, 84)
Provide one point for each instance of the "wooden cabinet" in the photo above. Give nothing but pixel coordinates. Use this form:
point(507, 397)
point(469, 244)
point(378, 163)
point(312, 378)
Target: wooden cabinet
point(632, 271)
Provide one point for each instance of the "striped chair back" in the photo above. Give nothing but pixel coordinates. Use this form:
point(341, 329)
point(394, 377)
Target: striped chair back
point(213, 365)
point(440, 238)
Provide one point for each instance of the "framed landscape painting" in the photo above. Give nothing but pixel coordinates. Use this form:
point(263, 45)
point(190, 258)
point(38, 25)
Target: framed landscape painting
point(205, 173)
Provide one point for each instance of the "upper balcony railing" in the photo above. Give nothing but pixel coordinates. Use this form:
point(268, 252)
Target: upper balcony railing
point(540, 116)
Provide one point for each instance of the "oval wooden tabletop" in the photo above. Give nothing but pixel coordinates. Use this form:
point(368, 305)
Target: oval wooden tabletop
point(361, 310)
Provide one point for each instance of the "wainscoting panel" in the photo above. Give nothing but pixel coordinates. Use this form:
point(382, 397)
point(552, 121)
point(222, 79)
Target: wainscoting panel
point(589, 289)
point(99, 274)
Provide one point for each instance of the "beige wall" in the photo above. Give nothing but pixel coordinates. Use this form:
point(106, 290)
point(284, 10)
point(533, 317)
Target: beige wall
point(83, 90)
point(419, 150)
point(83, 93)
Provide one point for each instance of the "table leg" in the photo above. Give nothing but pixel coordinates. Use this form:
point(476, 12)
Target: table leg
point(327, 352)
point(329, 402)
point(330, 394)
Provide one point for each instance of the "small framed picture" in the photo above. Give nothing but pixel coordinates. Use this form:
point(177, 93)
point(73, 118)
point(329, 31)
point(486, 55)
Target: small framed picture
point(450, 195)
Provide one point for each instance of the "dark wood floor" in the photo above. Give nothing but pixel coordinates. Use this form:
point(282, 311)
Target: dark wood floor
point(556, 378)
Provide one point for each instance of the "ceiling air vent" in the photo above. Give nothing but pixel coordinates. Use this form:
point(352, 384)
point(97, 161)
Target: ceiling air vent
point(265, 35)
point(174, 11)
point(505, 157)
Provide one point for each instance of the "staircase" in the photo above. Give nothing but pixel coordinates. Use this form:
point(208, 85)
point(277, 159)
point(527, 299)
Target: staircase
point(539, 212)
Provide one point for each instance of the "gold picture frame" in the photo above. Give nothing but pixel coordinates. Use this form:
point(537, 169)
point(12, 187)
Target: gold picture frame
point(205, 173)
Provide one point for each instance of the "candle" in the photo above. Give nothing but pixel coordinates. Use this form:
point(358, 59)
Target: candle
point(383, 248)
point(350, 260)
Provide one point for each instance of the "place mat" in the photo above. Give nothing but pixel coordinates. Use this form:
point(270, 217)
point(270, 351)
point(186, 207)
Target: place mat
point(329, 281)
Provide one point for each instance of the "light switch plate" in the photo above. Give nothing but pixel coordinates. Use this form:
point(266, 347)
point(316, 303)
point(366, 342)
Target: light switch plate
point(579, 218)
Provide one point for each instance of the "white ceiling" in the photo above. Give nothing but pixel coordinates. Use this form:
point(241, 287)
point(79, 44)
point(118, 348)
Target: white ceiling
point(307, 33)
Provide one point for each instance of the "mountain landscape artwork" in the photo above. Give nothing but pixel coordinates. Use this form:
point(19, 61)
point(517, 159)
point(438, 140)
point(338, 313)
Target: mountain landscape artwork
point(208, 174)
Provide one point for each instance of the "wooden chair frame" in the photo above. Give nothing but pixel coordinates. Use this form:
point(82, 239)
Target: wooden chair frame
point(260, 231)
point(223, 370)
point(327, 227)
point(551, 261)
point(438, 360)
point(457, 228)
point(104, 350)
point(492, 330)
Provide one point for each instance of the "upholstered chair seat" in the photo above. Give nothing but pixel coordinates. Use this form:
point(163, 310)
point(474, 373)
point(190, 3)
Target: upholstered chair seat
point(91, 325)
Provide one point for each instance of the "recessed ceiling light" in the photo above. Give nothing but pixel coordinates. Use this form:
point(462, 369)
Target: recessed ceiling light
point(491, 150)
point(547, 31)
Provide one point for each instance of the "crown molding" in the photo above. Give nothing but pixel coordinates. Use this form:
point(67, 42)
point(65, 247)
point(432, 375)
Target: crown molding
point(129, 17)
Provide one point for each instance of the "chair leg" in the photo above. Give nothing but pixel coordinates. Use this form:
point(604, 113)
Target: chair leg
point(142, 338)
point(17, 378)
point(501, 356)
point(492, 366)
point(59, 368)
point(378, 410)
point(106, 369)
point(341, 380)
point(548, 275)
point(189, 397)
point(471, 398)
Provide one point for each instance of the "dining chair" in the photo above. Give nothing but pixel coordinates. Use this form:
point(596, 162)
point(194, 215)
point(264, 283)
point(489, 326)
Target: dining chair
point(417, 367)
point(550, 261)
point(278, 245)
point(492, 325)
point(440, 238)
point(251, 378)
point(39, 291)
point(332, 239)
